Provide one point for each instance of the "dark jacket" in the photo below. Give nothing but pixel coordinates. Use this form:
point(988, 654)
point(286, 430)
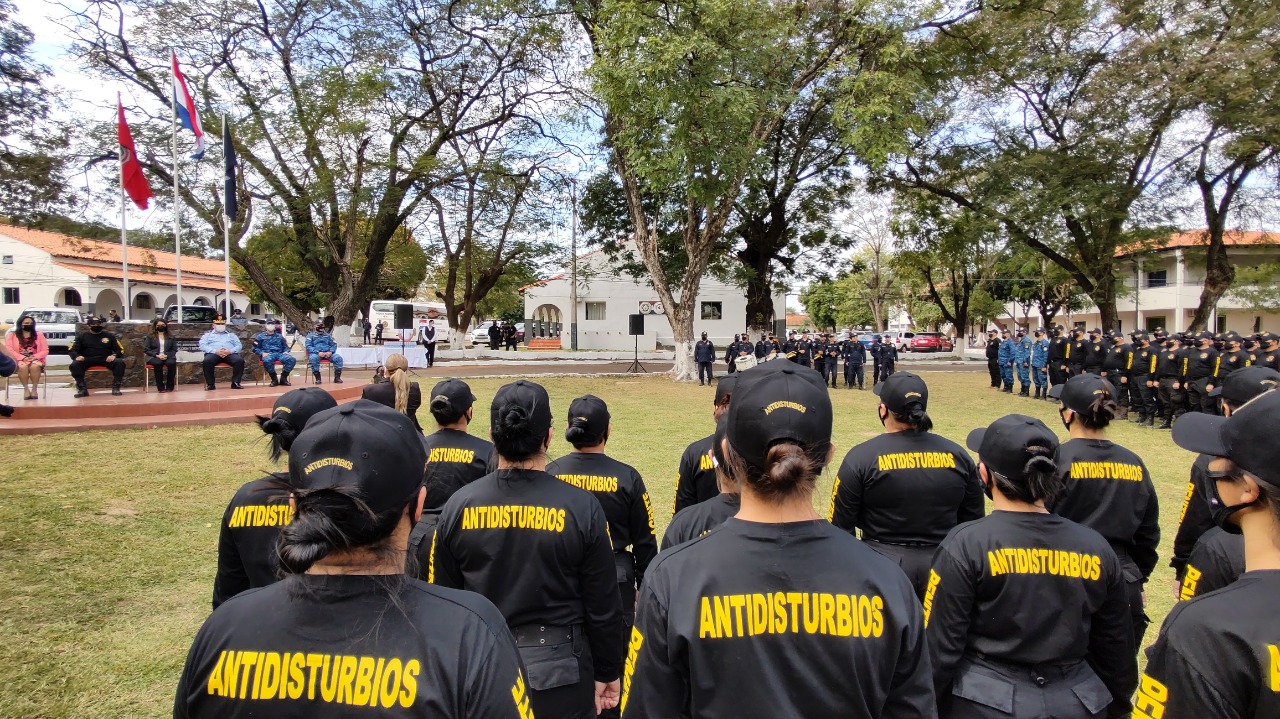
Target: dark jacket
point(704, 351)
point(151, 347)
point(385, 393)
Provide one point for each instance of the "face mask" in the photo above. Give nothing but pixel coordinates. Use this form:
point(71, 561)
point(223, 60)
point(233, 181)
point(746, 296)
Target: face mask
point(161, 328)
point(1062, 416)
point(1218, 510)
point(28, 328)
point(95, 328)
point(883, 416)
point(219, 328)
point(986, 485)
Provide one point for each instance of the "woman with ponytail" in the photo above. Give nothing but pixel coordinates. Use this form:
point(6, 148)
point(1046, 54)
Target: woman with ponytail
point(777, 613)
point(345, 626)
point(1106, 487)
point(398, 392)
point(1025, 611)
point(247, 541)
point(908, 487)
point(539, 549)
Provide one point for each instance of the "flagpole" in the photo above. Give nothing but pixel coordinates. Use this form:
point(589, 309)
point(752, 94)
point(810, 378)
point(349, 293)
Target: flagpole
point(124, 245)
point(226, 238)
point(177, 216)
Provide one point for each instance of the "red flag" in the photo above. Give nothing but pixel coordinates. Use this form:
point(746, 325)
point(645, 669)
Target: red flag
point(131, 177)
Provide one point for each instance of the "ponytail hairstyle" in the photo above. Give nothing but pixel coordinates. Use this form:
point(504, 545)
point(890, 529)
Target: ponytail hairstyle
point(281, 434)
point(579, 434)
point(514, 435)
point(1099, 413)
point(291, 412)
point(1039, 480)
point(915, 417)
point(398, 374)
point(334, 520)
point(789, 470)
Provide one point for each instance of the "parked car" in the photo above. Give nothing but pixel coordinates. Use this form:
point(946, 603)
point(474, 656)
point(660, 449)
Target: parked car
point(191, 313)
point(520, 332)
point(57, 323)
point(865, 338)
point(931, 342)
point(901, 340)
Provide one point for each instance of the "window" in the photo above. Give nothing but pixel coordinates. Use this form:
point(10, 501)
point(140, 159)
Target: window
point(1158, 278)
point(255, 308)
point(11, 296)
point(8, 259)
point(712, 310)
point(1155, 322)
point(71, 297)
point(595, 310)
point(1078, 325)
point(143, 302)
point(1222, 323)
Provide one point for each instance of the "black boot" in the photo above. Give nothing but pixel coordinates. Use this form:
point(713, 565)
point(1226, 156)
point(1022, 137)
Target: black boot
point(1008, 389)
point(316, 374)
point(1165, 425)
point(115, 389)
point(284, 381)
point(337, 376)
point(275, 381)
point(1026, 391)
point(82, 391)
point(5, 410)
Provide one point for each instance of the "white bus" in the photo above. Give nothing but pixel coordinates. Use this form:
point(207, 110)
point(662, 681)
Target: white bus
point(385, 311)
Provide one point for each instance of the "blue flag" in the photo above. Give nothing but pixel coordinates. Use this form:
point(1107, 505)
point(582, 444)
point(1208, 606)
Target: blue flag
point(228, 171)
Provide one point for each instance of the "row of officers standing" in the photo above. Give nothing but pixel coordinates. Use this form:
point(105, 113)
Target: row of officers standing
point(832, 358)
point(907, 600)
point(1155, 376)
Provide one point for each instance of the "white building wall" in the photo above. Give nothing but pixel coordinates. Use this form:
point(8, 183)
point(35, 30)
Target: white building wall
point(40, 282)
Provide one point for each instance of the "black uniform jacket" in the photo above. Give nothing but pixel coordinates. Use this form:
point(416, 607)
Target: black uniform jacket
point(247, 540)
point(696, 477)
point(454, 460)
point(385, 393)
point(777, 620)
point(1216, 561)
point(539, 549)
point(1216, 655)
point(1109, 490)
point(625, 501)
point(1172, 364)
point(1195, 518)
point(693, 522)
point(322, 647)
point(1030, 588)
point(1233, 361)
point(1202, 363)
point(95, 347)
point(906, 488)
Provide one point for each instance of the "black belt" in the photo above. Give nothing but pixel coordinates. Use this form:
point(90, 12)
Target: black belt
point(536, 635)
point(1036, 671)
point(909, 545)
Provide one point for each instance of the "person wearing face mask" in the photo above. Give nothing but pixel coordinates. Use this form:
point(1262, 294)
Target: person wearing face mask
point(272, 347)
point(428, 340)
point(1203, 367)
point(1268, 352)
point(1107, 487)
point(322, 346)
point(96, 348)
point(219, 346)
point(1026, 612)
point(908, 487)
point(31, 350)
point(161, 351)
point(1217, 655)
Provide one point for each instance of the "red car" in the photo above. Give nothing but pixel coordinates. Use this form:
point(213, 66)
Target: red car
point(931, 342)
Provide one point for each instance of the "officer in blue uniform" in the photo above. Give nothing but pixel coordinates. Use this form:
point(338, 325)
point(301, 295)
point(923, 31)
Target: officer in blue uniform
point(321, 345)
point(272, 347)
point(1040, 364)
point(219, 346)
point(1022, 362)
point(1008, 349)
point(855, 356)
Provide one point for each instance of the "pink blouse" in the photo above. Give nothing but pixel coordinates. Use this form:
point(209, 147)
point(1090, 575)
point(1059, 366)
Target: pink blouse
point(41, 347)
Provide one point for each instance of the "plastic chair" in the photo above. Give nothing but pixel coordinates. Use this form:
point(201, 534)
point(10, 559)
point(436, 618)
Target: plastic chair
point(44, 380)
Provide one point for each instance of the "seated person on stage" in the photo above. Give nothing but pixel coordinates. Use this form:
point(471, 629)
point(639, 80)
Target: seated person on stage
point(161, 351)
point(8, 365)
point(321, 346)
point(272, 347)
point(218, 346)
point(28, 346)
point(96, 348)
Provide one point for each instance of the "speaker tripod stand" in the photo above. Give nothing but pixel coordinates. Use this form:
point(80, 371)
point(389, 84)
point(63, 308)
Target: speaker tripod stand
point(635, 366)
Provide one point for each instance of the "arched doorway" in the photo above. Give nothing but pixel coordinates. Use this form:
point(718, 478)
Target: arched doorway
point(70, 297)
point(202, 301)
point(547, 322)
point(106, 301)
point(144, 306)
point(169, 301)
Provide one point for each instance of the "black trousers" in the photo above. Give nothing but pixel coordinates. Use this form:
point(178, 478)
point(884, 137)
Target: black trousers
point(886, 369)
point(1137, 613)
point(704, 368)
point(234, 359)
point(569, 699)
point(1198, 399)
point(853, 374)
point(915, 562)
point(431, 353)
point(165, 371)
point(985, 688)
point(1119, 389)
point(627, 591)
point(1142, 397)
point(1057, 375)
point(993, 367)
point(829, 372)
point(1173, 402)
point(78, 369)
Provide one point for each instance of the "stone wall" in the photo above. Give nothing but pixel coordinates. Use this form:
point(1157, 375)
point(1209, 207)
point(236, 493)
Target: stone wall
point(133, 335)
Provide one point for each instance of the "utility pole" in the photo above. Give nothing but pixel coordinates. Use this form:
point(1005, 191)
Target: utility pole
point(573, 265)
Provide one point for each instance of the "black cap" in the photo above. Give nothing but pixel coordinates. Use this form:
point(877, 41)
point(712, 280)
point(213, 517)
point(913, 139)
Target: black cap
point(591, 413)
point(1095, 331)
point(704, 335)
point(1232, 336)
point(724, 389)
point(1004, 330)
point(1039, 330)
point(992, 332)
point(1079, 392)
point(456, 391)
point(774, 404)
point(902, 390)
point(365, 446)
point(1021, 332)
point(1010, 442)
point(1116, 335)
point(1140, 336)
point(1203, 335)
point(1267, 337)
point(298, 406)
point(1246, 383)
point(1079, 330)
point(530, 396)
point(1247, 437)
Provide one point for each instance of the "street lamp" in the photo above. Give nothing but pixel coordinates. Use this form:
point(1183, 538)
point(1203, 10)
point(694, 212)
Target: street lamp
point(573, 264)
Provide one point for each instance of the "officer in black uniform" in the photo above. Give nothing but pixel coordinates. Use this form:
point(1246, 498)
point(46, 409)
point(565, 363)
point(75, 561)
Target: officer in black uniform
point(1171, 379)
point(1234, 356)
point(1059, 351)
point(1107, 488)
point(539, 549)
point(993, 358)
point(247, 540)
point(695, 521)
point(887, 355)
point(789, 348)
point(731, 354)
point(696, 476)
point(1216, 655)
point(804, 350)
point(1196, 517)
point(819, 354)
point(908, 487)
point(621, 493)
point(777, 613)
point(1216, 561)
point(704, 354)
point(832, 366)
point(1026, 611)
point(1268, 352)
point(96, 348)
point(854, 354)
point(455, 459)
point(1116, 364)
point(346, 628)
point(1203, 366)
point(1095, 352)
point(1143, 386)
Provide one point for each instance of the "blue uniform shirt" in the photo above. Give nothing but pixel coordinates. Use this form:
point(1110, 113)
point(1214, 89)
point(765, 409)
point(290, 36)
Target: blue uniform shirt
point(1007, 348)
point(267, 343)
point(1040, 353)
point(212, 341)
point(1022, 350)
point(320, 342)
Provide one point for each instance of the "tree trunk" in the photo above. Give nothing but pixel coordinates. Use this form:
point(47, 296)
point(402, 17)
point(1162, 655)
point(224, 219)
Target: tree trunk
point(1104, 296)
point(681, 320)
point(759, 304)
point(1219, 275)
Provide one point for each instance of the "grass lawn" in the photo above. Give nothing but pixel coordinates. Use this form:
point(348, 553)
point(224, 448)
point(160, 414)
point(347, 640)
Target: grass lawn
point(108, 540)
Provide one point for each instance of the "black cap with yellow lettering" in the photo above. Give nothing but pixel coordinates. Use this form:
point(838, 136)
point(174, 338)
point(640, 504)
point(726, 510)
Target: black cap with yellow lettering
point(901, 391)
point(773, 404)
point(364, 446)
point(1080, 392)
point(1246, 383)
point(1010, 442)
point(591, 414)
point(298, 406)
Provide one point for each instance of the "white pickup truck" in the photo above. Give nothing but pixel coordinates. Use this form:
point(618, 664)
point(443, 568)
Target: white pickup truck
point(58, 324)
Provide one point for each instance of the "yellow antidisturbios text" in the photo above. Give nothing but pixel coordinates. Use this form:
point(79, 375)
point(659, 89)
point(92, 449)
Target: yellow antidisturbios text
point(815, 613)
point(331, 678)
